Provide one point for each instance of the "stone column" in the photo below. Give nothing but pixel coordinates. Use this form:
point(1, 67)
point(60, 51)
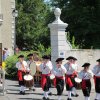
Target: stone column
point(59, 43)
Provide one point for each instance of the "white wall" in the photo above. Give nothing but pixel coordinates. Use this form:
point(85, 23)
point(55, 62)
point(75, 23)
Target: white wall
point(84, 55)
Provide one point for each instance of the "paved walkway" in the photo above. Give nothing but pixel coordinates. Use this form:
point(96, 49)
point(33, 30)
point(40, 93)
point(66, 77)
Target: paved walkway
point(12, 93)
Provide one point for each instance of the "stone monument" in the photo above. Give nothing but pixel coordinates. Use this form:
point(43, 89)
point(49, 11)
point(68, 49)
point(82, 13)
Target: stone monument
point(59, 43)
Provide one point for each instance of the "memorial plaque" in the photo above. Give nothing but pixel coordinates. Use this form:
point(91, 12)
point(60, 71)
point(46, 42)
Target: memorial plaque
point(0, 54)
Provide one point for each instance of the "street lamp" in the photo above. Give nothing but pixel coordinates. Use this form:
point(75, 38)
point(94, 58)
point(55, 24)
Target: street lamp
point(15, 14)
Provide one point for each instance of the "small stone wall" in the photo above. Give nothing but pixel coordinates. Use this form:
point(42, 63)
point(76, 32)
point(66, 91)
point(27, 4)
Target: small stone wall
point(84, 55)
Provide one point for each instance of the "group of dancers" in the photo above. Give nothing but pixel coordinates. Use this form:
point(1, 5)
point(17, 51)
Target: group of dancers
point(64, 74)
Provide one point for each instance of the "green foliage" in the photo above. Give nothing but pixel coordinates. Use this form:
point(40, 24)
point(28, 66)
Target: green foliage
point(74, 46)
point(32, 24)
point(83, 17)
point(43, 50)
point(72, 41)
point(11, 71)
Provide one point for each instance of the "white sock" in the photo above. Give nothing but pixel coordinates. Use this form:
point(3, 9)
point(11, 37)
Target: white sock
point(33, 87)
point(97, 96)
point(87, 98)
point(69, 94)
point(74, 90)
point(59, 97)
point(22, 88)
point(46, 94)
point(49, 90)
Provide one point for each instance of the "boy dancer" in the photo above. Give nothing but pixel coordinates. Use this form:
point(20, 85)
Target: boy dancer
point(71, 68)
point(22, 69)
point(96, 71)
point(59, 73)
point(45, 68)
point(86, 75)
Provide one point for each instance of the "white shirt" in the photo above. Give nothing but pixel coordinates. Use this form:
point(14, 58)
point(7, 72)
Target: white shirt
point(96, 70)
point(59, 71)
point(70, 68)
point(19, 65)
point(85, 75)
point(46, 69)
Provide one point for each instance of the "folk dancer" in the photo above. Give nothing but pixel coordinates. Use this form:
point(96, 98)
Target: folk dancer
point(32, 65)
point(22, 70)
point(59, 73)
point(45, 68)
point(71, 68)
point(96, 71)
point(86, 74)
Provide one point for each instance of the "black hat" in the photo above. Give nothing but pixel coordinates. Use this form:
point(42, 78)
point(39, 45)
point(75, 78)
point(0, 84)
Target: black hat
point(21, 56)
point(74, 58)
point(59, 59)
point(30, 55)
point(98, 60)
point(71, 57)
point(45, 57)
point(86, 65)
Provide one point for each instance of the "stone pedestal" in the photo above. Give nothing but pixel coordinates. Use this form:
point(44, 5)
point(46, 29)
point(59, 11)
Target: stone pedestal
point(59, 43)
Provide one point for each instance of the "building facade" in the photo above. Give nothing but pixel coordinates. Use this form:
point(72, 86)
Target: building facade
point(7, 25)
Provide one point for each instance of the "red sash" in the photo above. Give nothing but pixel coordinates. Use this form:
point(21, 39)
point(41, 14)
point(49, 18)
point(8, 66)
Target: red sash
point(20, 76)
point(44, 80)
point(74, 74)
point(68, 80)
point(84, 83)
point(54, 80)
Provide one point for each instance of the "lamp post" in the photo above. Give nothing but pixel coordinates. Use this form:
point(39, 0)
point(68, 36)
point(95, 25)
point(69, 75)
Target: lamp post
point(15, 14)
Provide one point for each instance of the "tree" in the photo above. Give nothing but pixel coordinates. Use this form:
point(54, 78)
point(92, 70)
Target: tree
point(83, 17)
point(31, 24)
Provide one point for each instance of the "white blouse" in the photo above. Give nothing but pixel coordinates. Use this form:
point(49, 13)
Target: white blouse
point(70, 68)
point(46, 68)
point(59, 71)
point(19, 65)
point(85, 75)
point(96, 70)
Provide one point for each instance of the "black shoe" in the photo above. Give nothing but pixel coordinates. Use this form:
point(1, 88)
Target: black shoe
point(76, 95)
point(69, 99)
point(50, 93)
point(72, 95)
point(44, 98)
point(23, 93)
point(34, 89)
point(20, 92)
point(47, 99)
